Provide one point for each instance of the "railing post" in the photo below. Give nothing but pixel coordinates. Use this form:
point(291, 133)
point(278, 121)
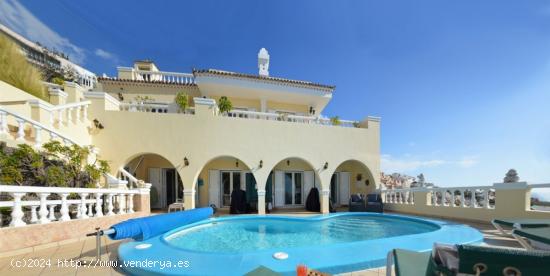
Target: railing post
point(110, 205)
point(83, 209)
point(51, 214)
point(77, 113)
point(98, 209)
point(53, 136)
point(17, 212)
point(3, 123)
point(85, 112)
point(69, 114)
point(121, 204)
point(34, 217)
point(90, 210)
point(130, 203)
point(60, 116)
point(43, 208)
point(52, 118)
point(64, 208)
point(20, 129)
point(462, 198)
point(486, 196)
point(37, 136)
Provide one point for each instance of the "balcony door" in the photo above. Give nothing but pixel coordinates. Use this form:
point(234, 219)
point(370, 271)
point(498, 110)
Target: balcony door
point(294, 188)
point(230, 180)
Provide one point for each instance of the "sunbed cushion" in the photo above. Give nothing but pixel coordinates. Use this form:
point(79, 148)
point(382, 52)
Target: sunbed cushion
point(497, 259)
point(524, 223)
point(411, 263)
point(537, 234)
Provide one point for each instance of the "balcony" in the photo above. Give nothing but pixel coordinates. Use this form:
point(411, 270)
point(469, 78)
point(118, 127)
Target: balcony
point(161, 76)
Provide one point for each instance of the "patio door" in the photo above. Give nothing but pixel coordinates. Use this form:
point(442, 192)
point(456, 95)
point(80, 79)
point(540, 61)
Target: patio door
point(230, 180)
point(294, 188)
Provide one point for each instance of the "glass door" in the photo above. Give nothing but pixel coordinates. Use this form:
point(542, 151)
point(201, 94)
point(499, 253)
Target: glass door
point(230, 180)
point(293, 188)
point(334, 188)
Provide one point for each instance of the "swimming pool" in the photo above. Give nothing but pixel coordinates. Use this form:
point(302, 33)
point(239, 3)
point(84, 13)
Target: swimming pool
point(333, 243)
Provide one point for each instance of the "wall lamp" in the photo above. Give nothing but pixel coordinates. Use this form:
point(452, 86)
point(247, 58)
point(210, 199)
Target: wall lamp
point(97, 124)
point(261, 163)
point(325, 166)
point(186, 161)
point(237, 163)
point(288, 162)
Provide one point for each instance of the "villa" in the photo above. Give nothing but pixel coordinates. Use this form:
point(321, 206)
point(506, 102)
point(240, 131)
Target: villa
point(211, 140)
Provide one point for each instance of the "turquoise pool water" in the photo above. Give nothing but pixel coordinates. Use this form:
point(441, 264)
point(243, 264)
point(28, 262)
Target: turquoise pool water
point(239, 236)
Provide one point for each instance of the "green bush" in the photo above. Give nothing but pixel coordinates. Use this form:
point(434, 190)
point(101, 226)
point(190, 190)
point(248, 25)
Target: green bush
point(224, 104)
point(58, 80)
point(182, 100)
point(17, 71)
point(335, 121)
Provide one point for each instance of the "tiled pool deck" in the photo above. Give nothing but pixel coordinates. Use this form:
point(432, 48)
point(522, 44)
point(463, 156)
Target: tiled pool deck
point(84, 250)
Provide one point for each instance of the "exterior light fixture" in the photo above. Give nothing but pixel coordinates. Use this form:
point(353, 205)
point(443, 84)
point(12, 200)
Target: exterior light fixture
point(237, 163)
point(359, 177)
point(261, 163)
point(325, 166)
point(97, 124)
point(120, 97)
point(186, 161)
point(367, 182)
point(288, 162)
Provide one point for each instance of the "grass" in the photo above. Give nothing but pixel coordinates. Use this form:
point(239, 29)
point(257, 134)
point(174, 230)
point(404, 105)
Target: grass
point(17, 71)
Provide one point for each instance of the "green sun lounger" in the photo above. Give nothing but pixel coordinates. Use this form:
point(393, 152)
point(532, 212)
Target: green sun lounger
point(519, 224)
point(539, 237)
point(471, 260)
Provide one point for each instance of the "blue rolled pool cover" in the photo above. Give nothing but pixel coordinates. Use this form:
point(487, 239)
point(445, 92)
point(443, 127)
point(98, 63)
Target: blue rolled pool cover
point(147, 227)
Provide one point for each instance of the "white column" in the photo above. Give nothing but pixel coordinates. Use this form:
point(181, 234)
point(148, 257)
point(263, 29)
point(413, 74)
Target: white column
point(64, 208)
point(17, 212)
point(37, 136)
point(121, 204)
point(98, 209)
point(83, 209)
point(52, 118)
point(189, 199)
point(325, 197)
point(130, 203)
point(20, 130)
point(3, 123)
point(34, 217)
point(51, 214)
point(60, 116)
point(85, 112)
point(261, 202)
point(110, 205)
point(90, 210)
point(43, 208)
point(69, 114)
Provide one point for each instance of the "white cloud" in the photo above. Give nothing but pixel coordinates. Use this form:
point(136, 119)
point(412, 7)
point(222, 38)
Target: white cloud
point(468, 161)
point(104, 54)
point(16, 17)
point(391, 164)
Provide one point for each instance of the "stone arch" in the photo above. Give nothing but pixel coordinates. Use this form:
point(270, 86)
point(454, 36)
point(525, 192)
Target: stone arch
point(167, 186)
point(288, 167)
point(361, 179)
point(220, 164)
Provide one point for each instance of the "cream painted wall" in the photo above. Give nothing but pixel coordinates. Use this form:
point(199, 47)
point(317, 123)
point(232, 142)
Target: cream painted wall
point(205, 136)
point(355, 168)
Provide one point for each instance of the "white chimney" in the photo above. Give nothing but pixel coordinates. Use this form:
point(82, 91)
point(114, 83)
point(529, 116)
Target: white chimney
point(263, 62)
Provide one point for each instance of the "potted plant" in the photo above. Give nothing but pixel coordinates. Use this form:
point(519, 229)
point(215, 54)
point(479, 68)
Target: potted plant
point(335, 121)
point(224, 105)
point(182, 100)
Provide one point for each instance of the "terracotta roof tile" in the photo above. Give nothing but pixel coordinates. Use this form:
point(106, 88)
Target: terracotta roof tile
point(258, 77)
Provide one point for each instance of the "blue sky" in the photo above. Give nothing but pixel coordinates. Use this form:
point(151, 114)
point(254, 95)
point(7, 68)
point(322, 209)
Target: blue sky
point(463, 87)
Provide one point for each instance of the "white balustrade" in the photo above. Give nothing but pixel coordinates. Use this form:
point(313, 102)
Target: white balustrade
point(42, 210)
point(247, 114)
point(181, 78)
point(20, 129)
point(3, 123)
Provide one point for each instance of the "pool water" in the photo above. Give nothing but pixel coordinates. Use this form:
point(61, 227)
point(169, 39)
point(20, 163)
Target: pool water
point(248, 235)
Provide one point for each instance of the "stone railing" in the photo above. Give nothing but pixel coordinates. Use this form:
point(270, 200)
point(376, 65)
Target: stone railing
point(131, 180)
point(71, 112)
point(153, 108)
point(183, 78)
point(35, 136)
point(48, 204)
point(501, 200)
point(235, 113)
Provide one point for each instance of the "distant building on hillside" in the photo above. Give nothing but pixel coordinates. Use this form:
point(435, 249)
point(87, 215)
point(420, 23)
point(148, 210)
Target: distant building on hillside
point(399, 181)
point(50, 60)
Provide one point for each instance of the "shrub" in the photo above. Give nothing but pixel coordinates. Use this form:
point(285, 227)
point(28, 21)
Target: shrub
point(58, 80)
point(335, 121)
point(224, 104)
point(17, 71)
point(182, 100)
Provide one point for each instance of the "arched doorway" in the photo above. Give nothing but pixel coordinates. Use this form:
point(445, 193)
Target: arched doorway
point(220, 177)
point(289, 184)
point(350, 177)
point(167, 186)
